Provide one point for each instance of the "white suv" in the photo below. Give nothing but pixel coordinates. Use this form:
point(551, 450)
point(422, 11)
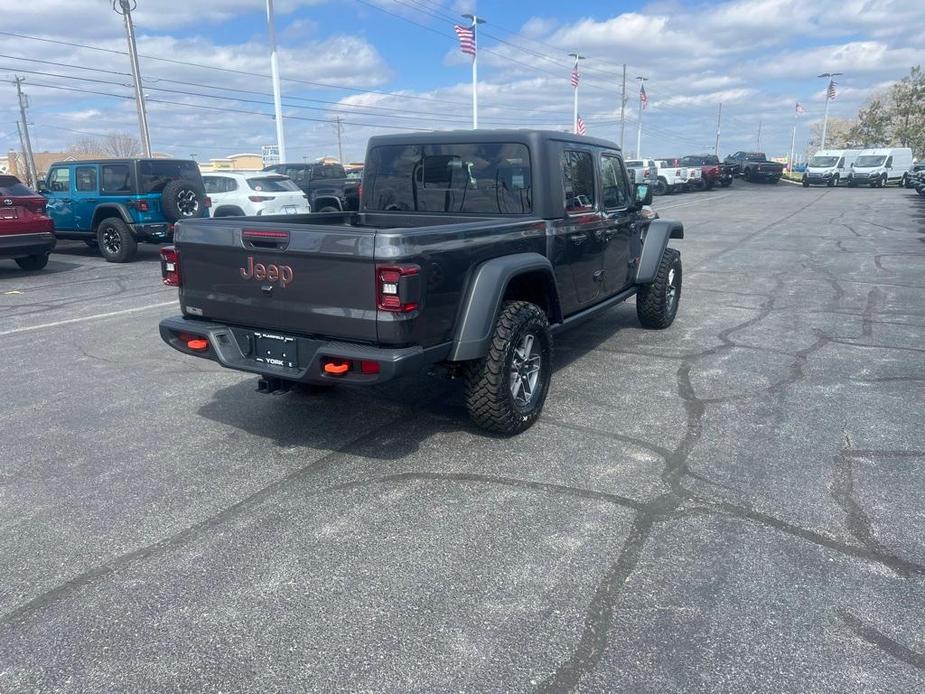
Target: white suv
point(251, 194)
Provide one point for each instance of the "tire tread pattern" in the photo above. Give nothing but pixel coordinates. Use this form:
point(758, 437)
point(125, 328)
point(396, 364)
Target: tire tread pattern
point(652, 299)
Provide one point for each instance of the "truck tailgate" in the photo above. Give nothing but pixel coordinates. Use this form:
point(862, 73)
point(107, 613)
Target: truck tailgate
point(306, 279)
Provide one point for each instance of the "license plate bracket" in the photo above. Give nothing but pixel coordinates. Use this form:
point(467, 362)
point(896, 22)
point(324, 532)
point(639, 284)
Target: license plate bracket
point(275, 350)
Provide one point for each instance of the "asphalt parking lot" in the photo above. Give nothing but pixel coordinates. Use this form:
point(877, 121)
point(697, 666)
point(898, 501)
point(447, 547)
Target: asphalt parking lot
point(734, 504)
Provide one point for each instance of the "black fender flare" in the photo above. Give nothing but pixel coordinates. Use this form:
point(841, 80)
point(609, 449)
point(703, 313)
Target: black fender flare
point(235, 211)
point(111, 209)
point(483, 299)
point(654, 245)
point(326, 199)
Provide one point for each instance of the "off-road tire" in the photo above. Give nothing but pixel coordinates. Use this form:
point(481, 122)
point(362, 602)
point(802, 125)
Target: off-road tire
point(489, 399)
point(182, 199)
point(655, 307)
point(661, 187)
point(725, 183)
point(805, 182)
point(117, 245)
point(33, 262)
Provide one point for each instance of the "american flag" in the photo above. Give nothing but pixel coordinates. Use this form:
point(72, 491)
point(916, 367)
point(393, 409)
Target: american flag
point(830, 92)
point(576, 76)
point(466, 39)
point(643, 97)
point(800, 108)
point(580, 126)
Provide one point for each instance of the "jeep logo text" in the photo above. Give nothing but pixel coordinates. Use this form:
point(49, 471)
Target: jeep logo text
point(271, 273)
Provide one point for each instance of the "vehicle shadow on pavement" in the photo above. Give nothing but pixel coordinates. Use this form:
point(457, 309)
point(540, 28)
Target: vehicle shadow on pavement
point(433, 403)
point(9, 270)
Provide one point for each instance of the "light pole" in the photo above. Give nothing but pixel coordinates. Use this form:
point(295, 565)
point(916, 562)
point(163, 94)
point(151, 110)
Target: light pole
point(125, 7)
point(277, 96)
point(642, 82)
point(476, 20)
point(828, 97)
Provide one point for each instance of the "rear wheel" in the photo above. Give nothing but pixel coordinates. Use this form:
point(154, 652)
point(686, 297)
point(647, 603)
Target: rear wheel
point(506, 390)
point(726, 182)
point(117, 245)
point(805, 182)
point(661, 187)
point(33, 262)
point(657, 303)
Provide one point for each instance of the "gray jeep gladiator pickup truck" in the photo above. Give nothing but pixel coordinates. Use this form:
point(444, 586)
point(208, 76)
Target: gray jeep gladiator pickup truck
point(470, 249)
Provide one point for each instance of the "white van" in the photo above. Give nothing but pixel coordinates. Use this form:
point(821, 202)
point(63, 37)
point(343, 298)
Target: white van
point(877, 167)
point(829, 167)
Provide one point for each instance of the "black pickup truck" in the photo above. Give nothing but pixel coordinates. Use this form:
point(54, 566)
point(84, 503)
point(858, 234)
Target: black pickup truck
point(471, 248)
point(755, 166)
point(326, 186)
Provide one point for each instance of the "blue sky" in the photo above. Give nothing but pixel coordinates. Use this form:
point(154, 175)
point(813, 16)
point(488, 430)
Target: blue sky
point(394, 64)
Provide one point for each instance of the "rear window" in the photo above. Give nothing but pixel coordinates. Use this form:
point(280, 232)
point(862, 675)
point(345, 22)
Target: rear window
point(10, 185)
point(272, 184)
point(330, 171)
point(635, 163)
point(154, 175)
point(488, 178)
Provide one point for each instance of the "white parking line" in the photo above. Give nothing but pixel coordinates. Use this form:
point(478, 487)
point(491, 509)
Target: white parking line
point(97, 316)
point(690, 202)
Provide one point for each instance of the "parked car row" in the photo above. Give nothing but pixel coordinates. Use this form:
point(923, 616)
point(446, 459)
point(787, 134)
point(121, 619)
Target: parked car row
point(875, 168)
point(917, 179)
point(678, 174)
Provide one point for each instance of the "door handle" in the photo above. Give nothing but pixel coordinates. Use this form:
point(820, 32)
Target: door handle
point(598, 275)
point(579, 239)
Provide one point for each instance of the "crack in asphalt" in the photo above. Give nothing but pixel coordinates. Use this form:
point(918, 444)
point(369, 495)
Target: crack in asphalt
point(880, 640)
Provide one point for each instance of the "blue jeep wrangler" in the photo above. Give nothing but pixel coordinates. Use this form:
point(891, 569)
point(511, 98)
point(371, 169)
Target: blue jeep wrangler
point(113, 204)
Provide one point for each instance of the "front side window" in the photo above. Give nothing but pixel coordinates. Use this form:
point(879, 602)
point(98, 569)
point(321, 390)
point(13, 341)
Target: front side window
point(477, 178)
point(578, 181)
point(116, 179)
point(614, 190)
point(59, 180)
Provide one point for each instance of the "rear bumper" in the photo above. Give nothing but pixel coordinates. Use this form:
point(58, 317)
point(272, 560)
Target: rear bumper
point(23, 245)
point(159, 232)
point(232, 347)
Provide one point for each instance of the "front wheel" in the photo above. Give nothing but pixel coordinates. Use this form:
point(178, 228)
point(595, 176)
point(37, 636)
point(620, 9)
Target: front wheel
point(33, 262)
point(726, 182)
point(117, 245)
point(661, 187)
point(805, 182)
point(657, 303)
point(506, 390)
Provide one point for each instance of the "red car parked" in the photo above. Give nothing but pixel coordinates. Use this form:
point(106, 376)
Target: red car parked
point(26, 231)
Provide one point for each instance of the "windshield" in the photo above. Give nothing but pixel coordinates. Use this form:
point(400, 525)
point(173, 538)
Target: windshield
point(10, 185)
point(272, 184)
point(870, 160)
point(823, 162)
point(154, 175)
point(489, 178)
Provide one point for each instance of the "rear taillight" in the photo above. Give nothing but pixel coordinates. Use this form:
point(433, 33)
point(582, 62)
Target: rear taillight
point(170, 266)
point(207, 202)
point(398, 288)
point(678, 172)
point(260, 198)
point(141, 205)
point(646, 173)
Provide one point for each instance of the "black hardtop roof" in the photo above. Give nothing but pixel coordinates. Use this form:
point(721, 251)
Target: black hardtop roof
point(118, 160)
point(531, 138)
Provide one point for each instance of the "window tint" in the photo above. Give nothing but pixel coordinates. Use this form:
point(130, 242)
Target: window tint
point(154, 175)
point(59, 180)
point(10, 185)
point(273, 184)
point(333, 171)
point(614, 190)
point(300, 174)
point(116, 179)
point(485, 178)
point(578, 181)
point(86, 179)
point(219, 184)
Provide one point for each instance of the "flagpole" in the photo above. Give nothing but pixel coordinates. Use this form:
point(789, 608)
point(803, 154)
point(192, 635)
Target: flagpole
point(578, 57)
point(793, 139)
point(825, 119)
point(475, 69)
point(642, 81)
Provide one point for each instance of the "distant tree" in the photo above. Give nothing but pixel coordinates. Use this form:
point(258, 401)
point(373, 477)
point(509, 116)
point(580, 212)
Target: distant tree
point(873, 126)
point(837, 135)
point(121, 145)
point(85, 145)
point(908, 112)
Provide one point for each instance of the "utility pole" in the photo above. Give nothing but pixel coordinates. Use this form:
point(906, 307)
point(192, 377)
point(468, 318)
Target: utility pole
point(125, 7)
point(476, 20)
point(576, 78)
point(277, 96)
point(642, 82)
point(758, 138)
point(340, 149)
point(829, 95)
point(719, 118)
point(25, 159)
point(623, 108)
point(27, 143)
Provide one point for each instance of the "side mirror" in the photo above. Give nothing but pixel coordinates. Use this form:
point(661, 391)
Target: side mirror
point(643, 194)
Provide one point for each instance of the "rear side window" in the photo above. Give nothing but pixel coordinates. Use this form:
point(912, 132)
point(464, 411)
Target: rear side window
point(10, 185)
point(333, 171)
point(219, 184)
point(86, 179)
point(115, 179)
point(59, 180)
point(272, 184)
point(296, 173)
point(478, 178)
point(614, 191)
point(154, 175)
point(578, 181)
